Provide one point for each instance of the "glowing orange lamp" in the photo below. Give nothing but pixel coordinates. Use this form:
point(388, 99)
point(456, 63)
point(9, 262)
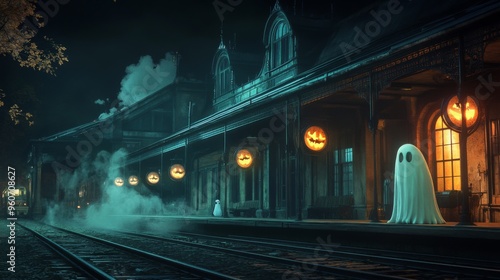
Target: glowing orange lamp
point(153, 178)
point(133, 180)
point(315, 138)
point(119, 181)
point(452, 113)
point(244, 158)
point(177, 172)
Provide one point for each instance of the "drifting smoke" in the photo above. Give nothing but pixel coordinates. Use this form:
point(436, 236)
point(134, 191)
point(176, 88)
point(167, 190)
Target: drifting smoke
point(143, 79)
point(117, 201)
point(115, 204)
point(67, 186)
point(100, 102)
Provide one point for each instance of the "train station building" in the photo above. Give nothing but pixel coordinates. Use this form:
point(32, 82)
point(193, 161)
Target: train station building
point(311, 127)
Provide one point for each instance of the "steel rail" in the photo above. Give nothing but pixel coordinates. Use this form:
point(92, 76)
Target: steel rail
point(77, 262)
point(353, 274)
point(198, 271)
point(402, 260)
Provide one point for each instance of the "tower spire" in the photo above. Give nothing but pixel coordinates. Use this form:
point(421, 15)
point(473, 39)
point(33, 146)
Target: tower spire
point(221, 44)
point(277, 6)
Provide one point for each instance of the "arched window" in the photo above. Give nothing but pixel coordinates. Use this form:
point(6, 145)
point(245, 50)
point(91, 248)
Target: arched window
point(223, 79)
point(281, 45)
point(447, 157)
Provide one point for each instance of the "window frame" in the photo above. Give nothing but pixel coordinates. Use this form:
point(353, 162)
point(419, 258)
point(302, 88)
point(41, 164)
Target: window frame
point(343, 171)
point(223, 79)
point(281, 46)
point(446, 157)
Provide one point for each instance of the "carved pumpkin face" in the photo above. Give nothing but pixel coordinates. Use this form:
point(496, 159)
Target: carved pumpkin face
point(177, 171)
point(244, 158)
point(119, 181)
point(133, 180)
point(455, 113)
point(153, 178)
point(315, 138)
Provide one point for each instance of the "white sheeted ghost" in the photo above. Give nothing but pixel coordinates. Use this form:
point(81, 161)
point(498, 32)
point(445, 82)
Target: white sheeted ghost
point(414, 198)
point(217, 209)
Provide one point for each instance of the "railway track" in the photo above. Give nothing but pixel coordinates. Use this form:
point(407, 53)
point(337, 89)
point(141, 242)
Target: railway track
point(467, 266)
point(238, 267)
point(251, 258)
point(349, 262)
point(34, 259)
point(102, 259)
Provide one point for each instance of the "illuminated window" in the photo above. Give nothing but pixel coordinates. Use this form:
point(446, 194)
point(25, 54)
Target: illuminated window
point(343, 179)
point(447, 157)
point(281, 45)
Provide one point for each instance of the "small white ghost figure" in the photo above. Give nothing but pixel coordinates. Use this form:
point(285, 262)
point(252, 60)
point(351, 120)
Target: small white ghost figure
point(414, 197)
point(217, 210)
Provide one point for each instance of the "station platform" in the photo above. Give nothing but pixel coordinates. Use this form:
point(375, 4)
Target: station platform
point(450, 229)
point(481, 240)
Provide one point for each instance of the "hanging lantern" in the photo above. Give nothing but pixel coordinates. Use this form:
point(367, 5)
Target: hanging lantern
point(133, 180)
point(315, 138)
point(153, 178)
point(452, 113)
point(244, 158)
point(177, 172)
point(118, 181)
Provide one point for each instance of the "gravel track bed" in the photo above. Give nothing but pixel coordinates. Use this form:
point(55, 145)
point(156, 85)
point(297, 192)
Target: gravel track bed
point(34, 260)
point(236, 266)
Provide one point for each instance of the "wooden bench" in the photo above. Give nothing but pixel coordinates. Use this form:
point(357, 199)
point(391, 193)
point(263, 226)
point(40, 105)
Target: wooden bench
point(449, 199)
point(332, 207)
point(244, 208)
point(449, 203)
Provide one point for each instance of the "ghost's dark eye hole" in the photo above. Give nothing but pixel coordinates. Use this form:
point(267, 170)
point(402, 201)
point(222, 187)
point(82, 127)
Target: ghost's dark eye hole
point(408, 157)
point(400, 157)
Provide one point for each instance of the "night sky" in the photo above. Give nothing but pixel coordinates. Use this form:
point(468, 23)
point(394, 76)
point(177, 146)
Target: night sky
point(103, 37)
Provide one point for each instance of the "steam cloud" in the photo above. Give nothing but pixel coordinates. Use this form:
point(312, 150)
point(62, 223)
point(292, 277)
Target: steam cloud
point(99, 102)
point(97, 175)
point(114, 203)
point(143, 79)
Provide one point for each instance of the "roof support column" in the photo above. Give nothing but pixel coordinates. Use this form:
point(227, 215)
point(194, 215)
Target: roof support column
point(226, 174)
point(373, 124)
point(465, 217)
point(298, 166)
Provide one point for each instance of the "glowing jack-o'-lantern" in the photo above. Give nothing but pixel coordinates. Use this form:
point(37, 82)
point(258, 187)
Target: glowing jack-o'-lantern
point(315, 138)
point(119, 181)
point(244, 158)
point(177, 172)
point(452, 113)
point(133, 180)
point(153, 178)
